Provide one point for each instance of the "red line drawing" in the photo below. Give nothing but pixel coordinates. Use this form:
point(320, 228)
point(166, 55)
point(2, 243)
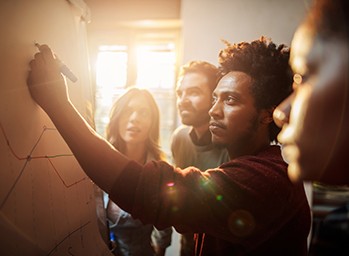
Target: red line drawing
point(29, 157)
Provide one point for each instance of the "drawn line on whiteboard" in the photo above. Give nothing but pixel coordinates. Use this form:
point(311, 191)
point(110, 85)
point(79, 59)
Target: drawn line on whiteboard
point(69, 251)
point(13, 186)
point(29, 157)
point(67, 236)
point(66, 185)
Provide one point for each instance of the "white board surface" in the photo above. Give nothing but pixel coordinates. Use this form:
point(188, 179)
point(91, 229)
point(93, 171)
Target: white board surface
point(47, 203)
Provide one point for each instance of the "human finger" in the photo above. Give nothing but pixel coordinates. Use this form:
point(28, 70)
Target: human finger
point(47, 54)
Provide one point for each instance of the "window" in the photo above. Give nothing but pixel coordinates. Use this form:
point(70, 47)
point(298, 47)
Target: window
point(111, 67)
point(156, 66)
point(146, 64)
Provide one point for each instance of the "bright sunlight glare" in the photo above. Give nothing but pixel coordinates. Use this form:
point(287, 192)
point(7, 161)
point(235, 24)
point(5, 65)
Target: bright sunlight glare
point(155, 67)
point(111, 69)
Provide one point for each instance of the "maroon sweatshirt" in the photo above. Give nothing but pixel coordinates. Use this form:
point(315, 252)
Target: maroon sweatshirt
point(247, 206)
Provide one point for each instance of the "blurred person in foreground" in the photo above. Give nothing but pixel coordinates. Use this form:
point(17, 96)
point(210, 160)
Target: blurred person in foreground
point(315, 119)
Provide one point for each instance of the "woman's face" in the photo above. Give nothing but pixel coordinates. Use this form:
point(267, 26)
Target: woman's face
point(135, 121)
point(314, 119)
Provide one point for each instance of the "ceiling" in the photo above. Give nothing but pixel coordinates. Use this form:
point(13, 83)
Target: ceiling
point(107, 14)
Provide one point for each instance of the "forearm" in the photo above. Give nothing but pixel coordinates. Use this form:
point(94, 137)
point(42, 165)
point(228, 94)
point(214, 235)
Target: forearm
point(100, 161)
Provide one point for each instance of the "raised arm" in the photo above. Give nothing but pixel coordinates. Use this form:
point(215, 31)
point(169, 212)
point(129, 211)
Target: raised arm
point(101, 162)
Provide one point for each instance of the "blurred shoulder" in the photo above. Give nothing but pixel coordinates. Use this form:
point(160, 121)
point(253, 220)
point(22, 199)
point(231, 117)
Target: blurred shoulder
point(182, 131)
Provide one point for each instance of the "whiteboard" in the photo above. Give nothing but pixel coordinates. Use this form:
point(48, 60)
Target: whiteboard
point(47, 203)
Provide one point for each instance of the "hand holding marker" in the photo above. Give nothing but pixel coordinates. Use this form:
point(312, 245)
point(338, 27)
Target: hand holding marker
point(63, 68)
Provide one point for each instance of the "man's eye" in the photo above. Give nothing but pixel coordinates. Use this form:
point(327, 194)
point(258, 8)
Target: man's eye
point(214, 100)
point(193, 93)
point(230, 100)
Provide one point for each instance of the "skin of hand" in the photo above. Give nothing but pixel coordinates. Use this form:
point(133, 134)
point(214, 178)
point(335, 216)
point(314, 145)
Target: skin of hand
point(100, 160)
point(45, 80)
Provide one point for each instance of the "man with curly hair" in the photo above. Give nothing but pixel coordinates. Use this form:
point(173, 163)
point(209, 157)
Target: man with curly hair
point(247, 206)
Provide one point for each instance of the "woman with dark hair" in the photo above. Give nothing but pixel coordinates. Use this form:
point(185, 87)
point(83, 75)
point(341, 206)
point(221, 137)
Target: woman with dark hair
point(133, 129)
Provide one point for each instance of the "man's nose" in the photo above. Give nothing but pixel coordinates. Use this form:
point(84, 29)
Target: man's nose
point(183, 99)
point(215, 110)
point(281, 114)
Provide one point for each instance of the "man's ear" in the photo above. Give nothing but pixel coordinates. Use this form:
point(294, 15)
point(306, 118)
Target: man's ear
point(267, 116)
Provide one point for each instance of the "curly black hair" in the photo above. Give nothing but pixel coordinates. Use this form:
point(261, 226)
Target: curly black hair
point(268, 66)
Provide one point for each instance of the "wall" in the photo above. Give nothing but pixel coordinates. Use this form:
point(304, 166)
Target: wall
point(47, 204)
point(206, 22)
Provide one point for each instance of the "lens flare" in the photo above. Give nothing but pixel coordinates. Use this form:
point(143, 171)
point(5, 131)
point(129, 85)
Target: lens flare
point(241, 223)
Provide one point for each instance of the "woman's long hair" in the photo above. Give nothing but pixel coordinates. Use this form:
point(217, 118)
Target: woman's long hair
point(112, 129)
